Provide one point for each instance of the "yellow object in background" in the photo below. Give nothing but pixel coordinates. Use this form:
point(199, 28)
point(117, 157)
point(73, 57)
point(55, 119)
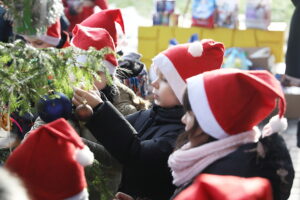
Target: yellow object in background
point(152, 40)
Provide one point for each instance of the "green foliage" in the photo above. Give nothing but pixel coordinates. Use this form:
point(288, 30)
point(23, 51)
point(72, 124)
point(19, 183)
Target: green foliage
point(27, 73)
point(96, 181)
point(4, 154)
point(32, 17)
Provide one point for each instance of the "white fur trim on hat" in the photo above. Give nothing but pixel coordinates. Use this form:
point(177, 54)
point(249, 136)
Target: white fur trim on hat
point(84, 156)
point(169, 71)
point(50, 40)
point(111, 68)
point(196, 49)
point(275, 125)
point(83, 195)
point(201, 108)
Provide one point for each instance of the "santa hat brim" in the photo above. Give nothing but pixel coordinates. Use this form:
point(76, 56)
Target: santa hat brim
point(201, 108)
point(169, 71)
point(50, 40)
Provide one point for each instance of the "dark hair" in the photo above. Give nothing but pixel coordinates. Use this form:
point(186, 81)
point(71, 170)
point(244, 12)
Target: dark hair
point(183, 137)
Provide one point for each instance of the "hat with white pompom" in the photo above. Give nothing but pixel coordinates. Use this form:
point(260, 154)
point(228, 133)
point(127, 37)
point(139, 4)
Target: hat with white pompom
point(229, 102)
point(180, 62)
point(51, 162)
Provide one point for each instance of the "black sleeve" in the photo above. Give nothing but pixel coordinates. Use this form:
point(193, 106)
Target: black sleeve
point(131, 118)
point(119, 138)
point(5, 26)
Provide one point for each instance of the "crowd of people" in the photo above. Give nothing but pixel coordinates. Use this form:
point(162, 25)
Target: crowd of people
point(193, 134)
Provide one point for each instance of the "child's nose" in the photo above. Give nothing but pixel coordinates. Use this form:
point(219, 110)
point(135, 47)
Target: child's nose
point(155, 83)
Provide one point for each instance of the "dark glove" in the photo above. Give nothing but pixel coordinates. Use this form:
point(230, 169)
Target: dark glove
point(129, 66)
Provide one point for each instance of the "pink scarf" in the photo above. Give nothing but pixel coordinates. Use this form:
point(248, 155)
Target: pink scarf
point(188, 162)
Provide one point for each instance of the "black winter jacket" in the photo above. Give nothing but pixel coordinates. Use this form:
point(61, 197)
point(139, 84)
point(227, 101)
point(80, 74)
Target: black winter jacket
point(5, 26)
point(269, 158)
point(142, 143)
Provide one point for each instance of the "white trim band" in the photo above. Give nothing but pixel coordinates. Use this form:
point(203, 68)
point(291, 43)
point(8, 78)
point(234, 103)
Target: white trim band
point(170, 73)
point(111, 68)
point(201, 108)
point(49, 39)
point(83, 195)
point(82, 59)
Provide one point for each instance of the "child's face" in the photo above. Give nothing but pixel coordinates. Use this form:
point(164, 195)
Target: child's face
point(162, 92)
point(37, 43)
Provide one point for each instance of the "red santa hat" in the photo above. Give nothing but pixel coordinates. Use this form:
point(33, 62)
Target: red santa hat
point(50, 162)
point(183, 61)
point(53, 34)
point(210, 186)
point(99, 38)
point(229, 101)
point(106, 19)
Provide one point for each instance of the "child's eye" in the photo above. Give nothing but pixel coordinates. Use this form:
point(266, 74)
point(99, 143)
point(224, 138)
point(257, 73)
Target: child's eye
point(39, 43)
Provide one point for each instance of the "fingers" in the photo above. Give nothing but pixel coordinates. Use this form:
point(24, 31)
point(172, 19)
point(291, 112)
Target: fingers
point(123, 196)
point(75, 101)
point(92, 97)
point(79, 96)
point(95, 90)
point(79, 91)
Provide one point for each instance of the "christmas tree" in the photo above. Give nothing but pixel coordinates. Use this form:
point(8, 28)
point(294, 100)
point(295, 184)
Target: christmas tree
point(32, 17)
point(25, 73)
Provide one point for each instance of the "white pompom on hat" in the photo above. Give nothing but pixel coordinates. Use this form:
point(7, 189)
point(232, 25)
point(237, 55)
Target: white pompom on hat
point(50, 162)
point(230, 101)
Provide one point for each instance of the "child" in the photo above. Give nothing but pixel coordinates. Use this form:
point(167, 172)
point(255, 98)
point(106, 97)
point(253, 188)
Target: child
point(86, 35)
point(52, 38)
point(118, 94)
point(223, 108)
point(143, 141)
point(51, 162)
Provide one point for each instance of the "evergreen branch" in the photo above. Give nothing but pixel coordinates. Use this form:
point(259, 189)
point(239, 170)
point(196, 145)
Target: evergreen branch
point(27, 70)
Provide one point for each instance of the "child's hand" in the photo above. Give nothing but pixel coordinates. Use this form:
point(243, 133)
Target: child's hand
point(122, 196)
point(91, 97)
